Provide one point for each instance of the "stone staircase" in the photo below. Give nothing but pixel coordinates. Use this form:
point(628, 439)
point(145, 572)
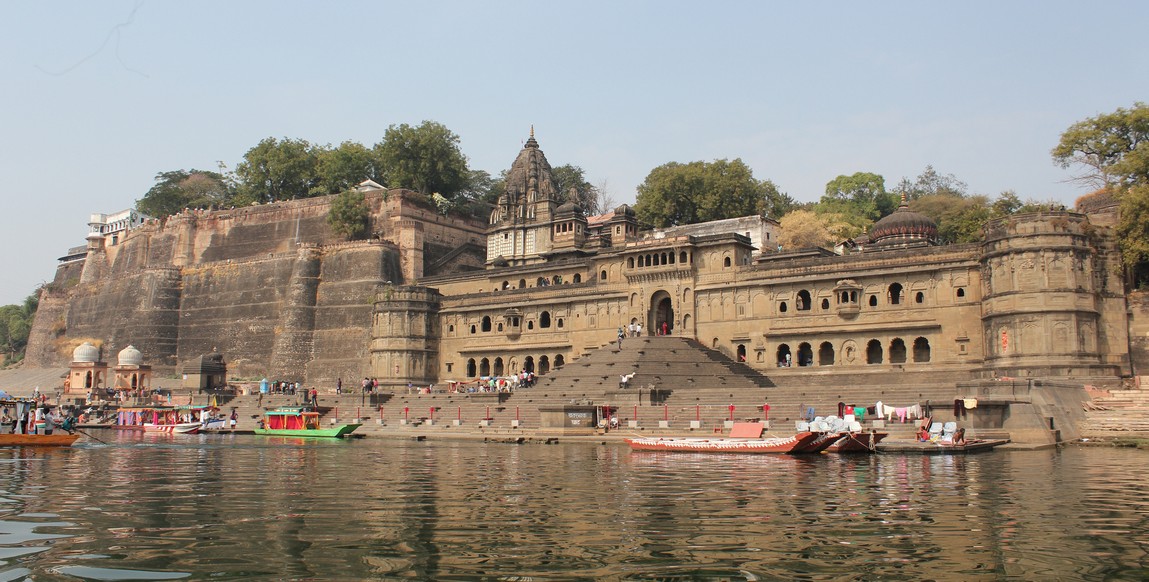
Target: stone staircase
point(1117, 413)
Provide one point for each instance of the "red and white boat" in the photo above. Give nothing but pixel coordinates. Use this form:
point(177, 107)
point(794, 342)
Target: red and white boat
point(745, 437)
point(163, 419)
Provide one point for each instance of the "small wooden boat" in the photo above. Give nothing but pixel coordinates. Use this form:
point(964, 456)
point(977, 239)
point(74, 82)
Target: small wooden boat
point(162, 419)
point(857, 442)
point(27, 427)
point(56, 439)
point(800, 443)
point(300, 422)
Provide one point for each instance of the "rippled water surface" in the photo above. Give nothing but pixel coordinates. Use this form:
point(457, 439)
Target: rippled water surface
point(146, 507)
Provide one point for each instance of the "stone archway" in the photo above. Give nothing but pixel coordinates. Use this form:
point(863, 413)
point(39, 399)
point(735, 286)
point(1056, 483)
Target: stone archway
point(661, 310)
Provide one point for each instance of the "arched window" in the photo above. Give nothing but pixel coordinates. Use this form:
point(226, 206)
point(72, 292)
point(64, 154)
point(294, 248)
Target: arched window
point(559, 323)
point(578, 277)
point(782, 307)
point(559, 360)
point(602, 275)
point(530, 325)
point(471, 368)
point(486, 325)
point(895, 293)
point(451, 328)
point(545, 319)
point(682, 256)
point(506, 285)
point(541, 282)
point(726, 262)
point(498, 371)
point(873, 300)
point(803, 302)
point(920, 297)
point(960, 292)
point(472, 329)
point(544, 365)
point(500, 326)
point(826, 354)
point(522, 283)
point(484, 367)
point(805, 354)
point(529, 364)
point(783, 357)
point(671, 257)
point(825, 304)
point(921, 350)
point(629, 263)
point(897, 351)
point(874, 352)
point(741, 352)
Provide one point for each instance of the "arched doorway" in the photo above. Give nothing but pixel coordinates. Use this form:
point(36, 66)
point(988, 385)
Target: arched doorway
point(661, 311)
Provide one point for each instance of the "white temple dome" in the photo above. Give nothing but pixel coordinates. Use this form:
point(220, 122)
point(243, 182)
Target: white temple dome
point(86, 352)
point(130, 356)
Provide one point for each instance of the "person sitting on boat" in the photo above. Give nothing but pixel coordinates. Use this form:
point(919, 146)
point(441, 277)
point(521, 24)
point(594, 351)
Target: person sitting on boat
point(959, 437)
point(69, 424)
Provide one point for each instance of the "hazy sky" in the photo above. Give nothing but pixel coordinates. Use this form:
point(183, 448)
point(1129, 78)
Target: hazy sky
point(100, 96)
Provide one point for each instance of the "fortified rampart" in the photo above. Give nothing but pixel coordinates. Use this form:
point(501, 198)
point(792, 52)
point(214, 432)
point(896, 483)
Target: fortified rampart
point(271, 287)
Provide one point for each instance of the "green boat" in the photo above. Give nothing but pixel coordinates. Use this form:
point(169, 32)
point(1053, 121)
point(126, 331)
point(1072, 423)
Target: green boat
point(300, 422)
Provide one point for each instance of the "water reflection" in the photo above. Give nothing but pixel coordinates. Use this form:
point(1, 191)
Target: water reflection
point(224, 506)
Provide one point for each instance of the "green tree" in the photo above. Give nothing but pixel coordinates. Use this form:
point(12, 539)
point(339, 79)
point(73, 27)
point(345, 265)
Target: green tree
point(426, 159)
point(674, 193)
point(586, 195)
point(277, 170)
point(862, 193)
point(15, 325)
point(1113, 151)
point(180, 189)
point(930, 182)
point(342, 168)
point(802, 228)
point(349, 215)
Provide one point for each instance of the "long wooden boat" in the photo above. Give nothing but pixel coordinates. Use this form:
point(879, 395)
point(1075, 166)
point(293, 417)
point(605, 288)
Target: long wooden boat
point(27, 429)
point(300, 422)
point(857, 442)
point(800, 443)
point(56, 439)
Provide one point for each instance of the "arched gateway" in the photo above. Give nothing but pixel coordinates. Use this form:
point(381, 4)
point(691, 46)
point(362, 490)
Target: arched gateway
point(661, 310)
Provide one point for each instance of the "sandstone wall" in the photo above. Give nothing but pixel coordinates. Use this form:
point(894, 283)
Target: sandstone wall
point(1139, 332)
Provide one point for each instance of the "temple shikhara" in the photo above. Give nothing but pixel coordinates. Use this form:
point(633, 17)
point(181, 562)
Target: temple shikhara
point(433, 298)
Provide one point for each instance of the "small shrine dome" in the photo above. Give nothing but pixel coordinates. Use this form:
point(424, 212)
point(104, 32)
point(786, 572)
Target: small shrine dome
point(130, 356)
point(904, 225)
point(85, 353)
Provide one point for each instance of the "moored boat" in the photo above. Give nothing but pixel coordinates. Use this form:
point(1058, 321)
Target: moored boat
point(797, 444)
point(299, 421)
point(855, 442)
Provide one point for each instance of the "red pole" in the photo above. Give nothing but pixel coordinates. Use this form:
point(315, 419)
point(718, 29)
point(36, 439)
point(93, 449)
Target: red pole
point(488, 412)
point(357, 415)
point(405, 411)
point(765, 412)
point(665, 412)
point(460, 414)
point(432, 413)
point(516, 413)
point(380, 413)
point(731, 413)
point(635, 417)
point(697, 412)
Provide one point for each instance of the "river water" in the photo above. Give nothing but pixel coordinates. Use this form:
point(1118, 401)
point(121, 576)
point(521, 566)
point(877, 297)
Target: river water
point(224, 507)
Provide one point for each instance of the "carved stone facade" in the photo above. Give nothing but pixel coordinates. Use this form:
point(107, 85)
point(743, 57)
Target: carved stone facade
point(434, 298)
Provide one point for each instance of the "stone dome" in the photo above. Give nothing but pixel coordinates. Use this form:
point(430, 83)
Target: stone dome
point(130, 356)
point(86, 352)
point(904, 225)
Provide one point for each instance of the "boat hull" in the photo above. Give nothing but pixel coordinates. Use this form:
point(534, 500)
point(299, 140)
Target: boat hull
point(181, 428)
point(337, 431)
point(38, 440)
point(857, 443)
point(797, 444)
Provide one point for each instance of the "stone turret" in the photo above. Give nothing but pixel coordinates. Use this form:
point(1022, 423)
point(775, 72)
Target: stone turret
point(1046, 309)
point(405, 336)
point(521, 225)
